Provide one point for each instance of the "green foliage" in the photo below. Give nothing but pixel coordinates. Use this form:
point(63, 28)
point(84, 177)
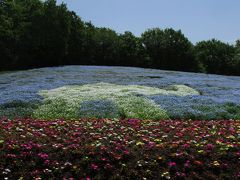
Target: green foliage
point(182, 90)
point(57, 108)
point(215, 56)
point(106, 46)
point(234, 110)
point(236, 61)
point(205, 112)
point(131, 51)
point(141, 108)
point(169, 49)
point(35, 33)
point(18, 109)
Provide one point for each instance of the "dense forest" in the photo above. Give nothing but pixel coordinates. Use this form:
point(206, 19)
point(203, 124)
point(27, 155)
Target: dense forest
point(35, 33)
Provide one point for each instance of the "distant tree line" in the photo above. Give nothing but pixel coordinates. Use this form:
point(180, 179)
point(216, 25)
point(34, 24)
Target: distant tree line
point(35, 33)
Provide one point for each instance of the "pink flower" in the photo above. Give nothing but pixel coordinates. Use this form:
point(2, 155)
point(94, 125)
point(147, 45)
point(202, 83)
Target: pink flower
point(43, 155)
point(151, 144)
point(186, 146)
point(126, 152)
point(11, 155)
point(180, 174)
point(94, 166)
point(210, 146)
point(172, 164)
point(103, 159)
point(27, 146)
point(108, 166)
point(134, 121)
point(187, 163)
point(46, 162)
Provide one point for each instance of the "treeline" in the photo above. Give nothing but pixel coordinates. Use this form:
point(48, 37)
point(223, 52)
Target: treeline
point(35, 33)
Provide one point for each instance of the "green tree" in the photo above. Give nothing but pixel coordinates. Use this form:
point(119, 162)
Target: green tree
point(34, 33)
point(215, 56)
point(129, 49)
point(105, 46)
point(12, 27)
point(55, 27)
point(169, 49)
point(75, 53)
point(237, 58)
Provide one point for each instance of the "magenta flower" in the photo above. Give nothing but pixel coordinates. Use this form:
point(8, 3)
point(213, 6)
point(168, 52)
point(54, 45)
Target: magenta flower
point(43, 155)
point(11, 156)
point(94, 166)
point(151, 144)
point(186, 146)
point(187, 163)
point(210, 146)
point(126, 152)
point(172, 164)
point(46, 162)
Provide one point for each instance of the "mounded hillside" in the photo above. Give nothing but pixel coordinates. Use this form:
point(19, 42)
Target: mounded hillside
point(74, 92)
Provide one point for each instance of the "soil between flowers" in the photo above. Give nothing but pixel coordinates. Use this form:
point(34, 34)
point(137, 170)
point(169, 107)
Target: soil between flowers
point(119, 149)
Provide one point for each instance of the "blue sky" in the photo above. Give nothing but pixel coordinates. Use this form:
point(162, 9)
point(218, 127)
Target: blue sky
point(198, 19)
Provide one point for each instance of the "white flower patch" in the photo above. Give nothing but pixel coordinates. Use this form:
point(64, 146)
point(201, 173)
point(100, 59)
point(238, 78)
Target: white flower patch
point(72, 101)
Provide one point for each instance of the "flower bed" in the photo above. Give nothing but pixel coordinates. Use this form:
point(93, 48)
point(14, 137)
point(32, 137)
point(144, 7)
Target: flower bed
point(119, 149)
point(87, 91)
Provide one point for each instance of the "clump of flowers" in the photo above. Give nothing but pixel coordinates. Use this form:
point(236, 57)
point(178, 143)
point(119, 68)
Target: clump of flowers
point(105, 100)
point(119, 149)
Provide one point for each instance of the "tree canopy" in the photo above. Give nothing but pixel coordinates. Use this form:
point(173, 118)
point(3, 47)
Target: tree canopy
point(35, 33)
